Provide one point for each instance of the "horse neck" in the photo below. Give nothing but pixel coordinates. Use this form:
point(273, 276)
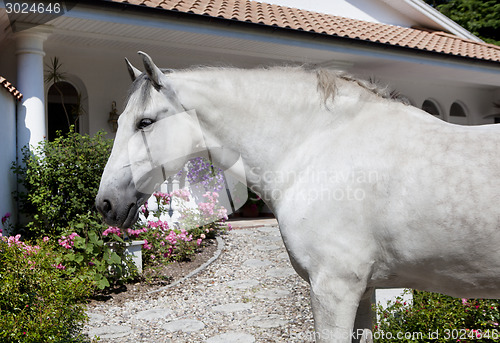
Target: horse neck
point(269, 116)
point(260, 114)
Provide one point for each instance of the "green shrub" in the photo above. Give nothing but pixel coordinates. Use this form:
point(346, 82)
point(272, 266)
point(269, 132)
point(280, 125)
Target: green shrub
point(439, 318)
point(40, 301)
point(60, 180)
point(105, 262)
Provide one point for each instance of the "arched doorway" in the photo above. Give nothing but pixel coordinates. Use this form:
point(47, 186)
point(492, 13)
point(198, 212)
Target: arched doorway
point(63, 109)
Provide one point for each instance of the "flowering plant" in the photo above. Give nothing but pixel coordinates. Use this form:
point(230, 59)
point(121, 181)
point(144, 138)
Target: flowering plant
point(439, 318)
point(205, 220)
point(82, 248)
point(204, 176)
point(39, 302)
point(166, 242)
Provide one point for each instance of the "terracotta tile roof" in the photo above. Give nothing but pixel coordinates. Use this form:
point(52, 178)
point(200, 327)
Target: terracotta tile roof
point(10, 88)
point(303, 20)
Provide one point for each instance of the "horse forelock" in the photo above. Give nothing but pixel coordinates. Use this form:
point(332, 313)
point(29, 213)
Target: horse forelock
point(143, 87)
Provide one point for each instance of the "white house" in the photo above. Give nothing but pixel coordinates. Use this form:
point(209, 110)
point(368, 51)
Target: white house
point(435, 63)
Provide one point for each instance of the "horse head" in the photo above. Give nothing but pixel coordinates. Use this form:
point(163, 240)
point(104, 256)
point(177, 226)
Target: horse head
point(156, 136)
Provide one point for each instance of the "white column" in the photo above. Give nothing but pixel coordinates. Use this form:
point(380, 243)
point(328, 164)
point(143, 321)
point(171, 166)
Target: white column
point(31, 124)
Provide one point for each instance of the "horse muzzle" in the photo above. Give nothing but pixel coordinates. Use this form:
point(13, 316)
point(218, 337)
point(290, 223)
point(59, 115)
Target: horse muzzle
point(117, 213)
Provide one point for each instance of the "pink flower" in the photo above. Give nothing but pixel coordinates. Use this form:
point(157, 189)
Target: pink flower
point(182, 194)
point(464, 301)
point(5, 217)
point(159, 224)
point(14, 240)
point(112, 230)
point(67, 242)
point(162, 197)
point(30, 250)
point(203, 236)
point(136, 233)
point(46, 239)
point(198, 241)
point(59, 266)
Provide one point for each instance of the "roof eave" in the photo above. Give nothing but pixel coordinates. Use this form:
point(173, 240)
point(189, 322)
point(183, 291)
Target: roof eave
point(442, 21)
point(271, 29)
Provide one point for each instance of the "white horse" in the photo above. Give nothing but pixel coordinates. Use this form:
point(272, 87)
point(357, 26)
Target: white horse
point(369, 192)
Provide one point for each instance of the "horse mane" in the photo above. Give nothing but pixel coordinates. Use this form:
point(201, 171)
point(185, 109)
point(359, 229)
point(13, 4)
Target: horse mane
point(327, 85)
point(327, 82)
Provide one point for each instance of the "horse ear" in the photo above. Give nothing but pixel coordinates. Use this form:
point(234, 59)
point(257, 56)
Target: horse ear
point(133, 71)
point(154, 73)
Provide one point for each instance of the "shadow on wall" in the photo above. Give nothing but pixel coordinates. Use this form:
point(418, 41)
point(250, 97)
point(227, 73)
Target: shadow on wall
point(8, 151)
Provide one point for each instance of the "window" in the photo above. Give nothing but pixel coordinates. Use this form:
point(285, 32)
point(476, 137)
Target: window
point(431, 107)
point(63, 107)
point(457, 110)
point(458, 114)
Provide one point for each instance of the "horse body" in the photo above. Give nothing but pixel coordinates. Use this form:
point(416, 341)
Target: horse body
point(368, 192)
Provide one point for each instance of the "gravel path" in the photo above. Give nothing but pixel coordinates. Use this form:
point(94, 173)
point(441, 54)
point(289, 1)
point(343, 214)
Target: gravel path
point(249, 294)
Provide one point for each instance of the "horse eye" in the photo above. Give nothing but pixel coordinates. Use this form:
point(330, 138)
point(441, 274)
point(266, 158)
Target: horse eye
point(144, 123)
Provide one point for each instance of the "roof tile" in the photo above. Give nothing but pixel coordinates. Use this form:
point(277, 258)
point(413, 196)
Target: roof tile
point(321, 23)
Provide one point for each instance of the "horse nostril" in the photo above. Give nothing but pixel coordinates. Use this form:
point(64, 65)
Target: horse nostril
point(105, 207)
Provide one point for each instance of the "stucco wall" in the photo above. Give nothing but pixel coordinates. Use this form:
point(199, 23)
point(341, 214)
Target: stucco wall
point(7, 152)
point(477, 101)
point(104, 76)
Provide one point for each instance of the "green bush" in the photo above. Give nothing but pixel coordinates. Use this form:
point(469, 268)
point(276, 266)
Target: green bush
point(439, 318)
point(105, 262)
point(60, 180)
point(40, 301)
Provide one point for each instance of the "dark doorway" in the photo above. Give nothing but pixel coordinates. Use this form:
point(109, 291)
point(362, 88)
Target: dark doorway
point(58, 118)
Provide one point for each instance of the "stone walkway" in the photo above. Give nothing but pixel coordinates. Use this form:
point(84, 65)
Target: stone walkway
point(249, 294)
